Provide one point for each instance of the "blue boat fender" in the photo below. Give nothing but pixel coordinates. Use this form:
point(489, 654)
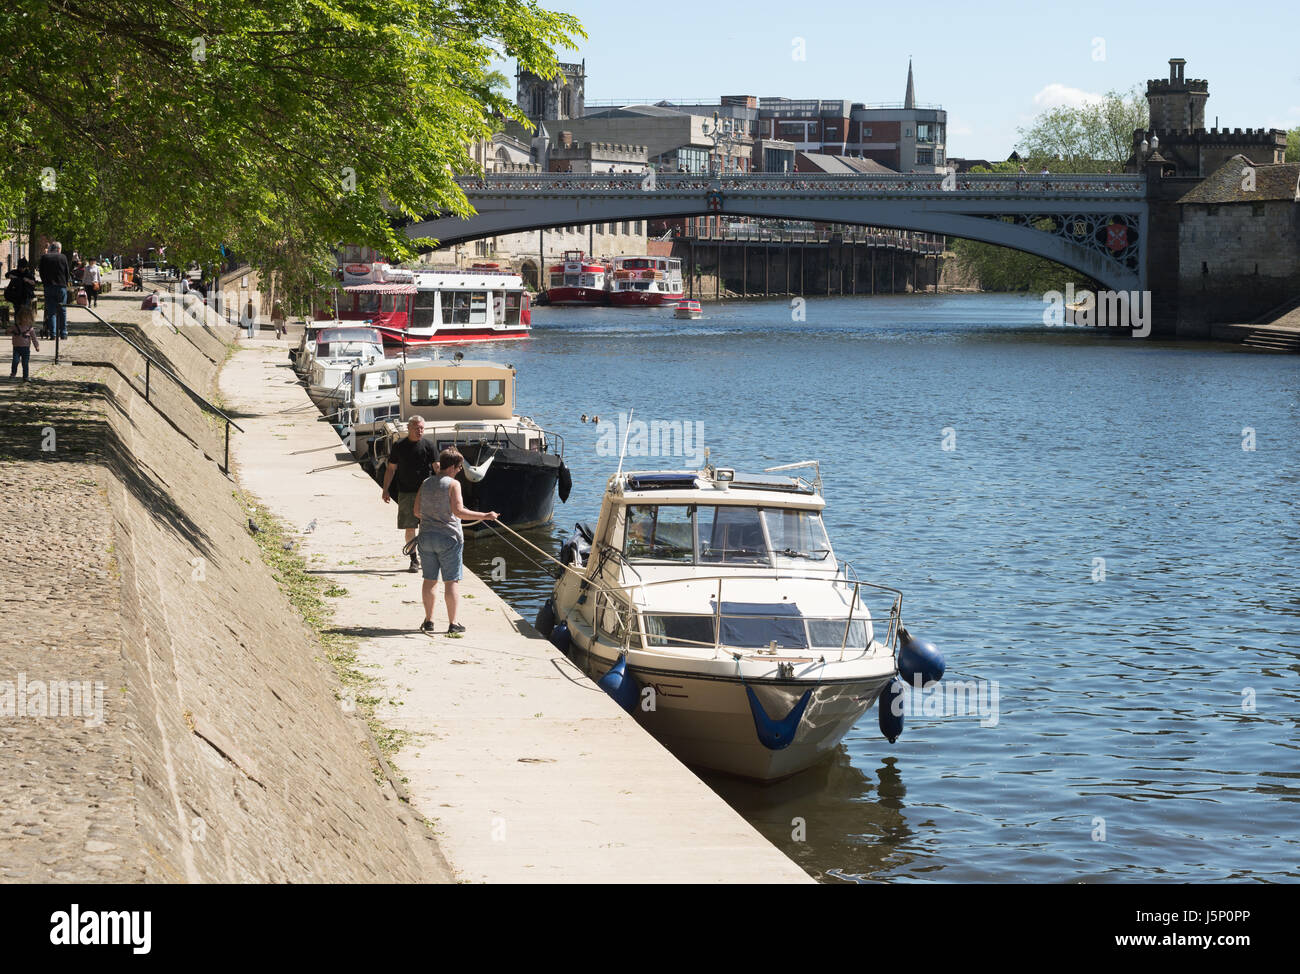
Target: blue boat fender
point(545, 623)
point(890, 706)
point(565, 482)
point(776, 735)
point(918, 659)
point(560, 638)
point(621, 685)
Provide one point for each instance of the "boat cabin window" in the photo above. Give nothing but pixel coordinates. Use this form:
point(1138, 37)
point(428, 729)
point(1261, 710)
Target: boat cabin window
point(491, 392)
point(514, 302)
point(367, 302)
point(732, 536)
point(424, 392)
point(457, 392)
point(796, 534)
point(422, 314)
point(753, 626)
point(725, 535)
point(660, 533)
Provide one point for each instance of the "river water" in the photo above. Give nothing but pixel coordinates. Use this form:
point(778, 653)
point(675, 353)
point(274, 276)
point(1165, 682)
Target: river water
point(1105, 530)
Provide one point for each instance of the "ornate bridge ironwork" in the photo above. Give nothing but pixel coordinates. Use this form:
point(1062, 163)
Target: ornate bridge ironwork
point(1095, 224)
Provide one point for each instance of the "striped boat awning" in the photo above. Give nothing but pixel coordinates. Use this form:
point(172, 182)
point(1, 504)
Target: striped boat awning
point(382, 288)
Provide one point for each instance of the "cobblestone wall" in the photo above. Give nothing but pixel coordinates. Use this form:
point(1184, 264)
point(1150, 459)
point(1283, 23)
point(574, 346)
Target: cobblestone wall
point(224, 754)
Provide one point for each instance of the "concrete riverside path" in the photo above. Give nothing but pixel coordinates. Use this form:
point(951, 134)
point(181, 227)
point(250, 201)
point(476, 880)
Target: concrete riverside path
point(529, 772)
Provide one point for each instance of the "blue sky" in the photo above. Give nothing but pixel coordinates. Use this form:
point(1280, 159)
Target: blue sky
point(992, 65)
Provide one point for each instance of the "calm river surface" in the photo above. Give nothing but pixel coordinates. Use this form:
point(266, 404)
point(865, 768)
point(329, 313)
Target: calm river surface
point(1148, 723)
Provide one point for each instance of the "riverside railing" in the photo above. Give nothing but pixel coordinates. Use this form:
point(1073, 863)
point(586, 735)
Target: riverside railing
point(832, 185)
point(151, 363)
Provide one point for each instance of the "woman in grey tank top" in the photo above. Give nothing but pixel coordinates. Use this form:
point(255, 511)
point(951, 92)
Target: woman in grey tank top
point(440, 509)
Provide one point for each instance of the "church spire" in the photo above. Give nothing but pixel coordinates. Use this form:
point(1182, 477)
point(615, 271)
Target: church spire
point(909, 99)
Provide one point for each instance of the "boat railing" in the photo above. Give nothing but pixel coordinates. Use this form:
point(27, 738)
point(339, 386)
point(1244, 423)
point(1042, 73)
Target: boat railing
point(623, 601)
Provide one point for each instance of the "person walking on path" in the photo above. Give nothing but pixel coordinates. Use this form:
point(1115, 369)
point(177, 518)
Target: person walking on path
point(22, 332)
point(90, 281)
point(409, 463)
point(277, 319)
point(55, 276)
point(250, 319)
point(20, 291)
point(439, 510)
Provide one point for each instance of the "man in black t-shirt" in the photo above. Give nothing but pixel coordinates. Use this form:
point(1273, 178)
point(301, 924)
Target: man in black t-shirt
point(55, 276)
point(409, 463)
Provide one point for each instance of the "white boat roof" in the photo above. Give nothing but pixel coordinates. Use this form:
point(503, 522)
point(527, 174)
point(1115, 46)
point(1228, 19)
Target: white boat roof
point(694, 487)
point(488, 281)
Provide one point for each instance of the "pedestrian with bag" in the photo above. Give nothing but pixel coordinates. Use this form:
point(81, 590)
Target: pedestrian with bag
point(90, 278)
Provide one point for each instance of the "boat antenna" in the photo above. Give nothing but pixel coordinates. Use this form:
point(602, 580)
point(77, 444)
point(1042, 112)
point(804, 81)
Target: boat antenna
point(623, 452)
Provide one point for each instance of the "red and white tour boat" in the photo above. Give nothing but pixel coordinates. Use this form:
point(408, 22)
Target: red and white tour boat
point(580, 280)
point(413, 308)
point(646, 281)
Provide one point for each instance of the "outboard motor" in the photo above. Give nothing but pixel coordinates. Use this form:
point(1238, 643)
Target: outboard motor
point(919, 660)
point(578, 547)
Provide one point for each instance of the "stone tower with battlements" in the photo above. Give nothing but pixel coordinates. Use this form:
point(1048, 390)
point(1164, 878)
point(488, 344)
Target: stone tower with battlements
point(1177, 103)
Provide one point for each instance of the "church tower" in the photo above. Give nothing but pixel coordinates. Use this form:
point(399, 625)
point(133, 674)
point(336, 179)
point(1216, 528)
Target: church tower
point(553, 99)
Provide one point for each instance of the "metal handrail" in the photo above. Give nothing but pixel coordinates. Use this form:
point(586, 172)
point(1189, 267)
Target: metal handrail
point(151, 362)
point(607, 591)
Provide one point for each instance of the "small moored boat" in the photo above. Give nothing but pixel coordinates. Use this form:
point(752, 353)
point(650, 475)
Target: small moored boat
point(512, 465)
point(710, 605)
point(688, 309)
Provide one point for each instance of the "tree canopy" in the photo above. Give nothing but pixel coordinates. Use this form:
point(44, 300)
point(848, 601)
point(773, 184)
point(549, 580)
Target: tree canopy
point(278, 128)
point(1094, 137)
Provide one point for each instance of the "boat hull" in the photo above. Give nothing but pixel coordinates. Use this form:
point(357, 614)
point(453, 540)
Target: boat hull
point(398, 337)
point(644, 299)
point(705, 720)
point(576, 296)
point(519, 485)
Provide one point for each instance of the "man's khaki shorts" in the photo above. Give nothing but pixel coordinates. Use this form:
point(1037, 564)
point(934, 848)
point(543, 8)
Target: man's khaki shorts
point(406, 510)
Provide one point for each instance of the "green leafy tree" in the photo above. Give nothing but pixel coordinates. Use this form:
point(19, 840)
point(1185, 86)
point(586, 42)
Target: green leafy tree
point(277, 129)
point(1094, 137)
point(1293, 145)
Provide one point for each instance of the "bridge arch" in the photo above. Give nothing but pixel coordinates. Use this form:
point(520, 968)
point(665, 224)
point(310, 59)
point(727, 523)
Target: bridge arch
point(1096, 225)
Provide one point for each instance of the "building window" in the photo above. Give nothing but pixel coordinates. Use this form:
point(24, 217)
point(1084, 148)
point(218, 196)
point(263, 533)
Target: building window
point(625, 227)
point(638, 229)
point(866, 133)
point(539, 102)
point(908, 133)
point(925, 157)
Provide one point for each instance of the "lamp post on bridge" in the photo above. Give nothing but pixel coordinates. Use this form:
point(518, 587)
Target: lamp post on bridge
point(724, 135)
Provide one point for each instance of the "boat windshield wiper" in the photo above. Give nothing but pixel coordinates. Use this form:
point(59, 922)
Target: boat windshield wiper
point(817, 554)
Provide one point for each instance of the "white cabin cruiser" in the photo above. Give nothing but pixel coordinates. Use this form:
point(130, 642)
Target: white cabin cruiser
point(338, 351)
point(711, 606)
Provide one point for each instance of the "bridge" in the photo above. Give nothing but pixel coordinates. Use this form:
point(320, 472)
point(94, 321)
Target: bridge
point(1095, 224)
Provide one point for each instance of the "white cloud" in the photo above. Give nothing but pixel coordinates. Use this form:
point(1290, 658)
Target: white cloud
point(1057, 95)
